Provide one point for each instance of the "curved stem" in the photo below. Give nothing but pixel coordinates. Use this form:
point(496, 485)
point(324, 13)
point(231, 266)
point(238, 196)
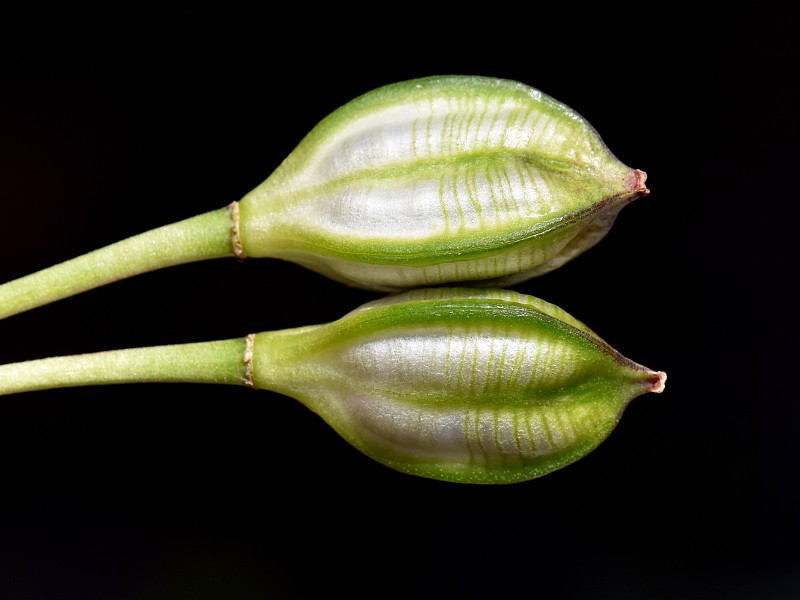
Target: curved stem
point(206, 236)
point(205, 362)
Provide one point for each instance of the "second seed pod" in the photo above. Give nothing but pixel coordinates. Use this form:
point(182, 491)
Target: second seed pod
point(476, 386)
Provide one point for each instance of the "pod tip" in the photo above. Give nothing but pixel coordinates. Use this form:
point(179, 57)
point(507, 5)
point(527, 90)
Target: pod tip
point(658, 381)
point(638, 177)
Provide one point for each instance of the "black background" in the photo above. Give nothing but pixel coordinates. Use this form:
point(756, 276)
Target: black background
point(190, 491)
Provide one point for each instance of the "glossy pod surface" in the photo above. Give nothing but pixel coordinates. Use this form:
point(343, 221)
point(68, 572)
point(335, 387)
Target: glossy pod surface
point(439, 180)
point(477, 386)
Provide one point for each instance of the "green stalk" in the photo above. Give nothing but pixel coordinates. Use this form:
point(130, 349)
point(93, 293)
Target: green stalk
point(206, 236)
point(204, 362)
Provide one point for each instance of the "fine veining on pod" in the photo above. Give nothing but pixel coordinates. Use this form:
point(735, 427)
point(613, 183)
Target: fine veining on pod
point(424, 182)
point(458, 384)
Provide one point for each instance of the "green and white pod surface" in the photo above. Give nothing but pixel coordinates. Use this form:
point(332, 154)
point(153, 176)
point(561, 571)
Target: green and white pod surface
point(458, 384)
point(440, 180)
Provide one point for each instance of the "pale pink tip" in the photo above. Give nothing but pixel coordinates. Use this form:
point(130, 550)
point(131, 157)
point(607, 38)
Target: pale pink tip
point(658, 382)
point(637, 179)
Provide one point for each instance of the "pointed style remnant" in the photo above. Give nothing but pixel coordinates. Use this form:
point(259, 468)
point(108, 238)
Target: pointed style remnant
point(457, 179)
point(440, 180)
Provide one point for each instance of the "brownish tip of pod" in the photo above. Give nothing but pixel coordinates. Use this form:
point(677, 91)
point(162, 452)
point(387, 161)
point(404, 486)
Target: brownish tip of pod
point(638, 188)
point(658, 380)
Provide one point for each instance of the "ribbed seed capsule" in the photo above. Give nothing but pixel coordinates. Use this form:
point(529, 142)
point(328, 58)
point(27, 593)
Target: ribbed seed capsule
point(439, 180)
point(478, 386)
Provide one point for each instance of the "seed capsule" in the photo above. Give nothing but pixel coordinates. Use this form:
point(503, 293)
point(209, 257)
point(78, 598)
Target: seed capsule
point(477, 386)
point(432, 181)
point(439, 180)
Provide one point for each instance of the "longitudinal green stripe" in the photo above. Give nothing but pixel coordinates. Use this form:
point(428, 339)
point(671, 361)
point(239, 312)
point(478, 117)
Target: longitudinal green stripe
point(359, 214)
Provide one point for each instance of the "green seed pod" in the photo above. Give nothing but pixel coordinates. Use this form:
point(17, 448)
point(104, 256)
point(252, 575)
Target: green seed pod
point(464, 385)
point(440, 180)
point(456, 384)
point(431, 181)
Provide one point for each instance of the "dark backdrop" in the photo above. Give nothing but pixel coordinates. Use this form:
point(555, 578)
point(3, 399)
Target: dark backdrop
point(114, 124)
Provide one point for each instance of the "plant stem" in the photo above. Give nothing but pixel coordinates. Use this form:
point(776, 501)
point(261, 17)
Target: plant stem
point(206, 236)
point(204, 362)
